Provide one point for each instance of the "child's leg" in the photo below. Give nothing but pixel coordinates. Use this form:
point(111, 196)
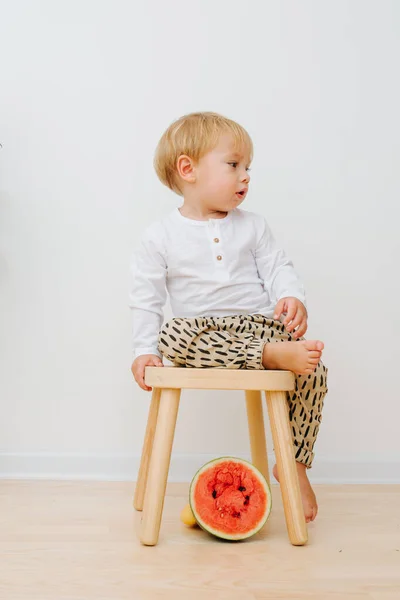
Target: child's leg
point(238, 343)
point(305, 415)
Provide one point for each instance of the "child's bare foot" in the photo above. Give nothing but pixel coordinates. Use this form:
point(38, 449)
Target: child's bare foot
point(299, 357)
point(307, 493)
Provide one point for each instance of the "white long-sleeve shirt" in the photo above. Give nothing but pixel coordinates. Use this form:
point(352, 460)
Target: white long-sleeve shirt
point(219, 267)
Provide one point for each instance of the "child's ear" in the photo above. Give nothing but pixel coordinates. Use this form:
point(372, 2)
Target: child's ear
point(186, 168)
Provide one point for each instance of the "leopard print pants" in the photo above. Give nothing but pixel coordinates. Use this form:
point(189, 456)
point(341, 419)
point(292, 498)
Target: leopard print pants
point(237, 343)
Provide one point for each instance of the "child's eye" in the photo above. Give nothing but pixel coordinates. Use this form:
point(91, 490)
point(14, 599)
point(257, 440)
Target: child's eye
point(235, 164)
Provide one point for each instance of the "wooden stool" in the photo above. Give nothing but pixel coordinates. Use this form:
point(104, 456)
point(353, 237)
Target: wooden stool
point(167, 383)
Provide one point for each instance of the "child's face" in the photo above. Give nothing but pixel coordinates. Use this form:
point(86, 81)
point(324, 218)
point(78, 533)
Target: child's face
point(222, 176)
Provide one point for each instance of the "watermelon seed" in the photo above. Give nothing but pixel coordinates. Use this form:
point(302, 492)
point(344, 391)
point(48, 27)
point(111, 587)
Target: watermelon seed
point(242, 489)
point(214, 494)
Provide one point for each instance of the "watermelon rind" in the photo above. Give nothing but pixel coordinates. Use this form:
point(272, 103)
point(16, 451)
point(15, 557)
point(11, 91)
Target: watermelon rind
point(223, 534)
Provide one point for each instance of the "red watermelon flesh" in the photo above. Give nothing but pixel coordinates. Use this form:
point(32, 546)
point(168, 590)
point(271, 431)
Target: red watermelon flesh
point(230, 498)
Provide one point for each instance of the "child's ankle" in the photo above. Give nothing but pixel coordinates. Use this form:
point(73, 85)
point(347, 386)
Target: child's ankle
point(268, 357)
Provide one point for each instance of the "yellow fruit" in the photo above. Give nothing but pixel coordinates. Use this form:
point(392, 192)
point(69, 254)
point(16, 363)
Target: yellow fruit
point(187, 516)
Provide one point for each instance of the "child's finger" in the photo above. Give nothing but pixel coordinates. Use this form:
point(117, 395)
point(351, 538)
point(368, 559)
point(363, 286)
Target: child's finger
point(296, 321)
point(140, 379)
point(279, 308)
point(292, 309)
point(301, 330)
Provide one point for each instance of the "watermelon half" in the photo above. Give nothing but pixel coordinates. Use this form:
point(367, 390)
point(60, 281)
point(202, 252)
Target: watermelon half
point(230, 498)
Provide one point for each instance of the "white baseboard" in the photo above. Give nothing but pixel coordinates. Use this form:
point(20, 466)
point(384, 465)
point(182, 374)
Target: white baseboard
point(124, 467)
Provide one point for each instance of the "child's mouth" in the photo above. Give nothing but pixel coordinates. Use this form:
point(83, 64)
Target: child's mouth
point(240, 195)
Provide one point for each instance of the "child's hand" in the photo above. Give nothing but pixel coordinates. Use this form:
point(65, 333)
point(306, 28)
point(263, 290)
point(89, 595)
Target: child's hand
point(296, 315)
point(138, 366)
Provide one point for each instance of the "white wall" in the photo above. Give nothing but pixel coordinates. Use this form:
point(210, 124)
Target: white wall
point(86, 89)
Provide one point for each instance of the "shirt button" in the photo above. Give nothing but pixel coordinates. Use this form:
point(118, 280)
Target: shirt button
point(216, 240)
point(219, 257)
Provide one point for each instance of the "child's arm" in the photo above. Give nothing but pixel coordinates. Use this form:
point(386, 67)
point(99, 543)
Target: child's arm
point(146, 301)
point(281, 280)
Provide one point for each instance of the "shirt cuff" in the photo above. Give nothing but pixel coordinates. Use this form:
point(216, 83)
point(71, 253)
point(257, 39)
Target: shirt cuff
point(151, 350)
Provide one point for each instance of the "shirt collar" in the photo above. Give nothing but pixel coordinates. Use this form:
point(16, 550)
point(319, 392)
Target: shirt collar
point(194, 222)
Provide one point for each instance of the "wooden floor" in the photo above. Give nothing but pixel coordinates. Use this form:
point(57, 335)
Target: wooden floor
point(78, 541)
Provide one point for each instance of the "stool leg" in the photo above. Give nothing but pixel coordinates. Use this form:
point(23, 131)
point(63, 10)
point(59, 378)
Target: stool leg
point(147, 449)
point(159, 466)
point(289, 481)
point(258, 444)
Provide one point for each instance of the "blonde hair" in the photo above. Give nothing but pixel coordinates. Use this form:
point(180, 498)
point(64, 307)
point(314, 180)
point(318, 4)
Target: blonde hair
point(194, 134)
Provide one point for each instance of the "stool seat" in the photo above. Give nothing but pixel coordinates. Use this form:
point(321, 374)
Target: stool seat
point(167, 383)
point(218, 379)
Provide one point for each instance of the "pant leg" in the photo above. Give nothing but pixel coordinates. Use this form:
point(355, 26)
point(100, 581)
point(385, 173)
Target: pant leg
point(306, 402)
point(305, 412)
point(224, 342)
